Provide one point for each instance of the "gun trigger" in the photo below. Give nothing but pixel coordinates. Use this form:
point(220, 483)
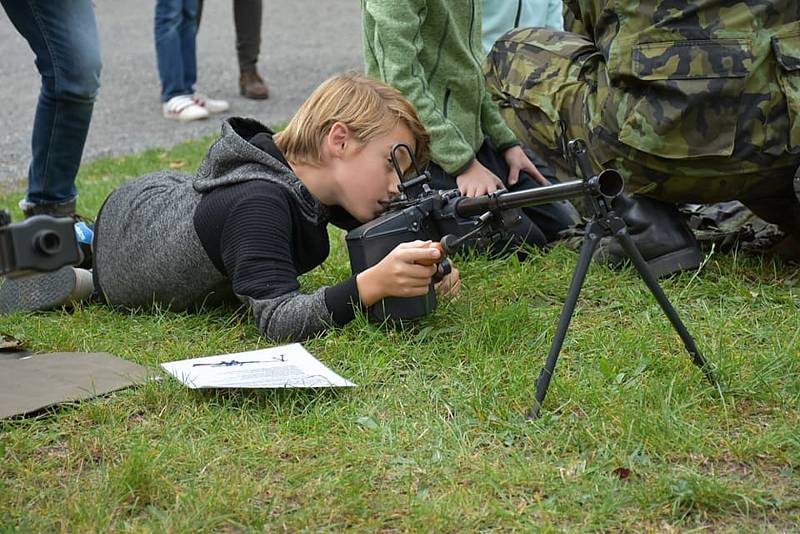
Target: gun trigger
point(442, 269)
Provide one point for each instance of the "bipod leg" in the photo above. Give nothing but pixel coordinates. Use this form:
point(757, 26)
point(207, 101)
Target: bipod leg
point(591, 239)
point(621, 234)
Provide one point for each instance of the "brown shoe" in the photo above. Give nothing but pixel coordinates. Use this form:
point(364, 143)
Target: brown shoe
point(251, 85)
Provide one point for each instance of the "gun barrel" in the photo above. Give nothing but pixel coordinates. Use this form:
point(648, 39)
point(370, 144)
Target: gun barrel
point(608, 184)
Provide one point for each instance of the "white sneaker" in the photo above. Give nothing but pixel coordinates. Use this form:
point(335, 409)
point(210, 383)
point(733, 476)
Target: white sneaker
point(210, 104)
point(184, 108)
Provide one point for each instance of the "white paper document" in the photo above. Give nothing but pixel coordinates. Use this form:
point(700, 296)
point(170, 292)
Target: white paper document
point(288, 366)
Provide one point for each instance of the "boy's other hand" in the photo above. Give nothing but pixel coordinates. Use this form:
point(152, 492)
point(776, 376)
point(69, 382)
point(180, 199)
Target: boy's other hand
point(399, 274)
point(450, 285)
point(477, 180)
point(518, 162)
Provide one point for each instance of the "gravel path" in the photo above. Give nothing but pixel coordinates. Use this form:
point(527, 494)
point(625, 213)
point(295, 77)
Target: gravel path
point(303, 42)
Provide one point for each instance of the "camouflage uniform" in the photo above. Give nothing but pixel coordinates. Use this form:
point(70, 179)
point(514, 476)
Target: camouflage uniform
point(571, 24)
point(693, 101)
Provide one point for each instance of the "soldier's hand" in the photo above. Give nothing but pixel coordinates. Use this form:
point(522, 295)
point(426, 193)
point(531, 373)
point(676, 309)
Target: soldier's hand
point(518, 162)
point(477, 181)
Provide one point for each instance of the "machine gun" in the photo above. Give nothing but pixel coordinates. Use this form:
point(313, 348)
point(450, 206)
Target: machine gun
point(452, 220)
point(421, 213)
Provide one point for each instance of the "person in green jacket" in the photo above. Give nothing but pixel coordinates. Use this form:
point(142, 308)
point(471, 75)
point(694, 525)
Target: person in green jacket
point(431, 51)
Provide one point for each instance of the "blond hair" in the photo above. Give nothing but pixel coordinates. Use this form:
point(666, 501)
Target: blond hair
point(368, 107)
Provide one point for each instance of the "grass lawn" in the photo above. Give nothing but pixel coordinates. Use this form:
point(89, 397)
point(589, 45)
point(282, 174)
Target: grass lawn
point(632, 437)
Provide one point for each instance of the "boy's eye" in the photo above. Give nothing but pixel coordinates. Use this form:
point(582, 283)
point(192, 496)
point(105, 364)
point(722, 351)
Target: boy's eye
point(407, 173)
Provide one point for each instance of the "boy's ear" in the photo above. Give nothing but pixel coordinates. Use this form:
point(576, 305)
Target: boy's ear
point(338, 138)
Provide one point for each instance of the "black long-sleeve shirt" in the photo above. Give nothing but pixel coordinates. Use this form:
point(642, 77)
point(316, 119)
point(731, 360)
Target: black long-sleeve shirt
point(255, 233)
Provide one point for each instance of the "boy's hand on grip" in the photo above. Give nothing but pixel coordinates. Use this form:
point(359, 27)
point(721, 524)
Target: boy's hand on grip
point(401, 273)
point(432, 245)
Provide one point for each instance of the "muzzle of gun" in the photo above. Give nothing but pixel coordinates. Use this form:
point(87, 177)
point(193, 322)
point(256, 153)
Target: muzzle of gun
point(607, 185)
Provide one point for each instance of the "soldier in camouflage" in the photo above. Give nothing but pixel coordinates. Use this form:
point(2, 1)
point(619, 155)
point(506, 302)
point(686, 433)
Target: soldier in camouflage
point(692, 101)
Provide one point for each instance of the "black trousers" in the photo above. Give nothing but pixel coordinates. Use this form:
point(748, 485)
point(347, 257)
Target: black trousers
point(247, 18)
point(540, 224)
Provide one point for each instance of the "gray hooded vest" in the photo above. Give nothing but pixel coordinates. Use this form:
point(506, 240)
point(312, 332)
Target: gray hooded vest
point(147, 250)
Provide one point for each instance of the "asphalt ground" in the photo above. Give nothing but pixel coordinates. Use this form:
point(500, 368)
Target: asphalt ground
point(303, 42)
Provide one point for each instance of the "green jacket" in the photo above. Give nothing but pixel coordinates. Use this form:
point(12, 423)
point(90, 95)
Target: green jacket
point(698, 79)
point(430, 50)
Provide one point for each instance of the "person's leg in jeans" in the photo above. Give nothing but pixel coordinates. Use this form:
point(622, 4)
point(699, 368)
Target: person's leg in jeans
point(188, 36)
point(192, 11)
point(176, 53)
point(64, 37)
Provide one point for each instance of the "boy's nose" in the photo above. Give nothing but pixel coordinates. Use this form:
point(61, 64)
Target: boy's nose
point(394, 187)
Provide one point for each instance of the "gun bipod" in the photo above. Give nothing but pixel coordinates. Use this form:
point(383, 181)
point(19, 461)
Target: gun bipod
point(607, 223)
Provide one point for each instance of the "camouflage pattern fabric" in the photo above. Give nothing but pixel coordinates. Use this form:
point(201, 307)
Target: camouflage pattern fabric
point(691, 101)
point(730, 225)
point(572, 24)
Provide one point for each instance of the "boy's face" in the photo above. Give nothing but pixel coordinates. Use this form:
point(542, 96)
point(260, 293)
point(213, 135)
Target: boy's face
point(367, 177)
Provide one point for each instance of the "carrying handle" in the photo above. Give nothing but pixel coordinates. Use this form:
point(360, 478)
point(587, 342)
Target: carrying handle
point(420, 176)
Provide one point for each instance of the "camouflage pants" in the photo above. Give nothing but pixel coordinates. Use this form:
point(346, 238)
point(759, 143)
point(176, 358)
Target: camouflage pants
point(551, 87)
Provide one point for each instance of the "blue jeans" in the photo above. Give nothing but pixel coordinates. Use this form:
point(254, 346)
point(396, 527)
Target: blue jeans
point(176, 52)
point(63, 35)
